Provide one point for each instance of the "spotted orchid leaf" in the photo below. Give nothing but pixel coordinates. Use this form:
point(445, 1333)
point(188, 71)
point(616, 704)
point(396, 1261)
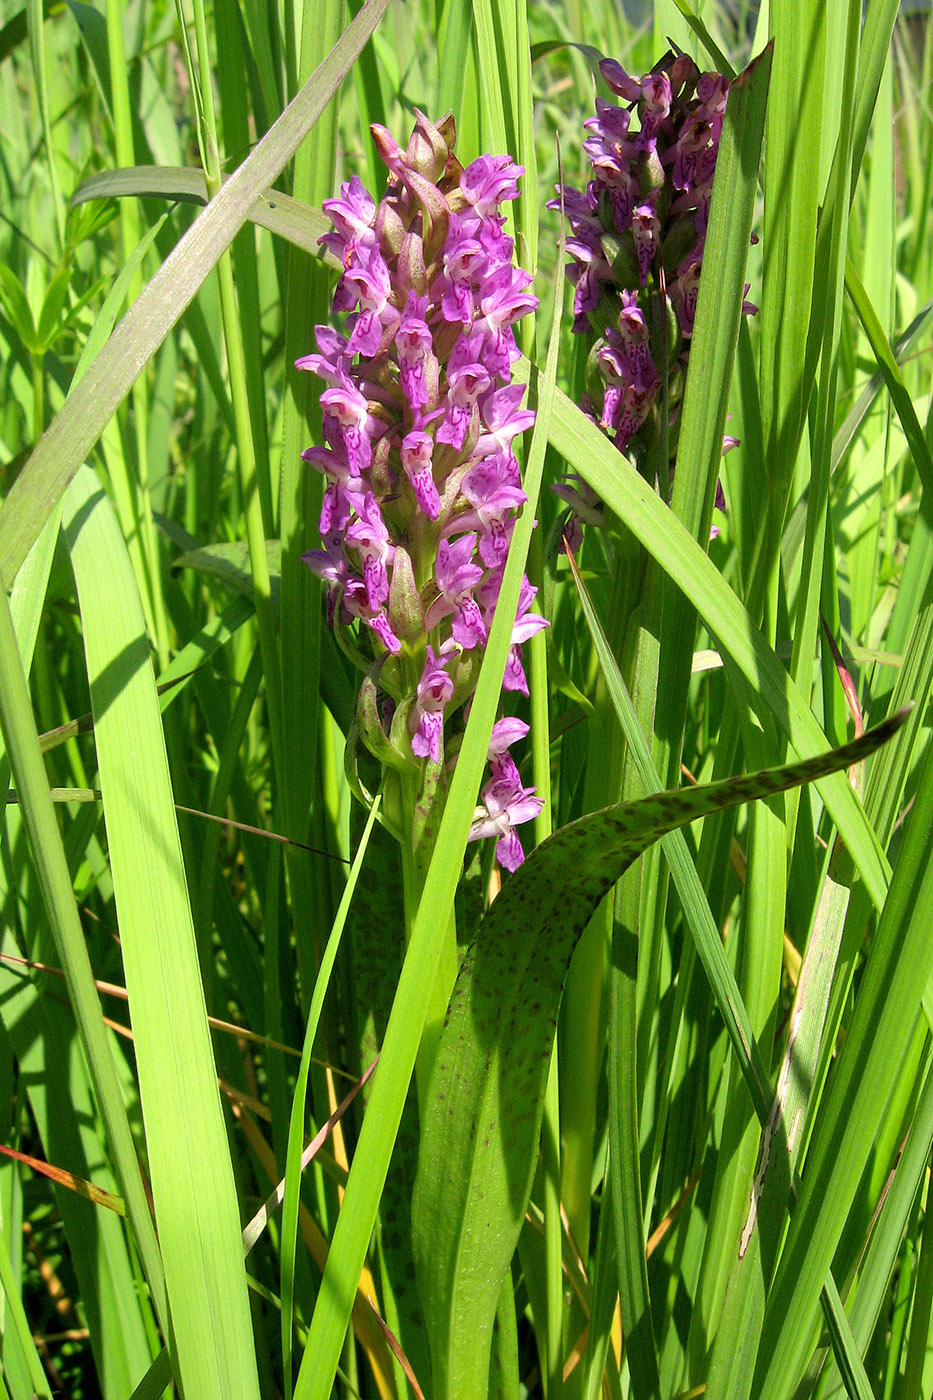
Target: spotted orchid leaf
point(483, 1110)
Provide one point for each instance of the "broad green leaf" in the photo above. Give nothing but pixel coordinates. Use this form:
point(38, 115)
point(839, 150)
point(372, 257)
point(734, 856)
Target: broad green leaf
point(480, 1130)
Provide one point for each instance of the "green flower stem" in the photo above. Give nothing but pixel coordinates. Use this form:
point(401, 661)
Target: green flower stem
point(404, 805)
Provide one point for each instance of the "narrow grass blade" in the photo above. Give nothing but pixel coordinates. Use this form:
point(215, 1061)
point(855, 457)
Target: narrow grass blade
point(192, 1181)
point(22, 745)
point(588, 452)
point(876, 1042)
point(874, 1275)
point(887, 364)
point(17, 1319)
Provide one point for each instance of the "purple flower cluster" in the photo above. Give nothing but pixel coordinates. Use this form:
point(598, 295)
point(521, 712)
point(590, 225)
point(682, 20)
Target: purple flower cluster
point(638, 233)
point(422, 485)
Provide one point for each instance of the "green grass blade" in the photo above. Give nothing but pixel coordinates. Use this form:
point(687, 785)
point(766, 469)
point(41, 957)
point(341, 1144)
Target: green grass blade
point(881, 1255)
point(192, 1182)
point(22, 744)
point(887, 364)
point(16, 1315)
point(877, 1040)
point(279, 213)
point(586, 451)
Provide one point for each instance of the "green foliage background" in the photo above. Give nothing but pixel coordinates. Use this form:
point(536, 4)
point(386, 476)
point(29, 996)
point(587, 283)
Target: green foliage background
point(181, 841)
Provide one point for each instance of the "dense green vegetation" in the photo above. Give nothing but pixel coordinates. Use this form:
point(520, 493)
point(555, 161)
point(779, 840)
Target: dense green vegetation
point(673, 1138)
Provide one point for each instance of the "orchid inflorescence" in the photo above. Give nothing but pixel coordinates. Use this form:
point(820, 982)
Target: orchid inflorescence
point(638, 232)
point(422, 484)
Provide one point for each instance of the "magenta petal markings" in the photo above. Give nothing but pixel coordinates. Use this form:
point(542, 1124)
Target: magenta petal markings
point(422, 487)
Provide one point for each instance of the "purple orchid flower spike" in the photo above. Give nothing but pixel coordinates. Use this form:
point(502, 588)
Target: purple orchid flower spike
point(638, 233)
point(421, 424)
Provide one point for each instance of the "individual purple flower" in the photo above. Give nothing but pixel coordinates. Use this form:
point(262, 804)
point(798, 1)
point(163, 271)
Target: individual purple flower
point(465, 385)
point(352, 217)
point(495, 494)
point(434, 692)
point(417, 447)
point(457, 576)
point(526, 625)
point(655, 104)
point(369, 536)
point(354, 427)
point(503, 420)
point(504, 802)
point(414, 343)
point(503, 301)
point(488, 181)
point(333, 357)
point(618, 81)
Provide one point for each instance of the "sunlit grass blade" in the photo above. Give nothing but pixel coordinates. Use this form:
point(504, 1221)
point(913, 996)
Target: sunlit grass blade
point(887, 364)
point(22, 746)
point(877, 1039)
point(854, 419)
point(192, 1182)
